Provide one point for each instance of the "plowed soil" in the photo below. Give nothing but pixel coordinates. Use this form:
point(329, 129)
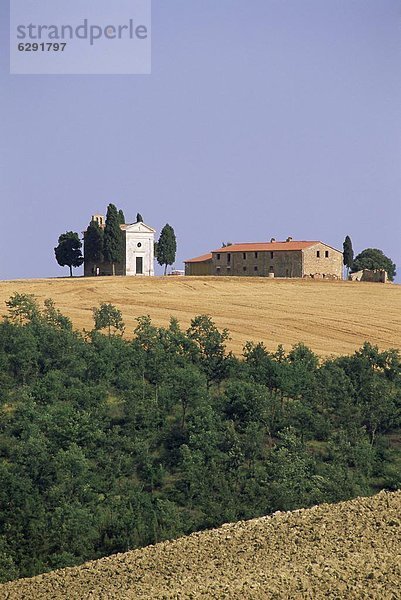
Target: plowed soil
point(330, 317)
point(347, 550)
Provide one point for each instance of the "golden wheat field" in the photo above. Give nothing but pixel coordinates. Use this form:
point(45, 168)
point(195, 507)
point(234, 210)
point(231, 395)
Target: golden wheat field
point(330, 317)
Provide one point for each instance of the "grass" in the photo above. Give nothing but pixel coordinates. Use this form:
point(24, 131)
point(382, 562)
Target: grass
point(332, 318)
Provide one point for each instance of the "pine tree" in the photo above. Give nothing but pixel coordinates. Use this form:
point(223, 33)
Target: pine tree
point(68, 252)
point(113, 239)
point(166, 247)
point(93, 244)
point(348, 254)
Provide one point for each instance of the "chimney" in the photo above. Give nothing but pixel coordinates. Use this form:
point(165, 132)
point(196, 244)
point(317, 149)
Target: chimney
point(272, 240)
point(289, 239)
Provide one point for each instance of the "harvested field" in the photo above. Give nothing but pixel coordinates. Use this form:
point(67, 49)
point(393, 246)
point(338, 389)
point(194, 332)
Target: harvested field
point(347, 550)
point(330, 317)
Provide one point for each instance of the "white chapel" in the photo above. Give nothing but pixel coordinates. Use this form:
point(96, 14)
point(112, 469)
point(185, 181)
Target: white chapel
point(138, 251)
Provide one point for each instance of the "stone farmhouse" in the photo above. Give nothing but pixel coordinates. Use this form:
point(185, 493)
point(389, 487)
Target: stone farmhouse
point(138, 252)
point(289, 258)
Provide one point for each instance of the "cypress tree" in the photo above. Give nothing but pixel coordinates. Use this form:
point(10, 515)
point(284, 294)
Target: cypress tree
point(166, 247)
point(93, 244)
point(113, 239)
point(348, 254)
point(121, 217)
point(139, 218)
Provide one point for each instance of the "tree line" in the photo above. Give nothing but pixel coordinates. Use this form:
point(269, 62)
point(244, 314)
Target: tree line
point(107, 244)
point(108, 444)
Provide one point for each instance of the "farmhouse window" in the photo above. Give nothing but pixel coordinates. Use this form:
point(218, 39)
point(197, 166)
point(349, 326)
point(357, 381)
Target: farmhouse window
point(256, 255)
point(318, 254)
point(244, 255)
point(228, 257)
point(244, 268)
point(218, 257)
point(272, 255)
point(255, 268)
point(326, 254)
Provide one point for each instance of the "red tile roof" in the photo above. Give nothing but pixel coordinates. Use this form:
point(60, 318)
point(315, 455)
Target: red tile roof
point(203, 258)
point(260, 247)
point(266, 246)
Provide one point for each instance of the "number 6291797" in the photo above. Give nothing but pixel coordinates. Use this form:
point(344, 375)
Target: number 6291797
point(42, 47)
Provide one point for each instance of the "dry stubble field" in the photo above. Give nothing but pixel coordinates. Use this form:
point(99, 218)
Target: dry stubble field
point(330, 317)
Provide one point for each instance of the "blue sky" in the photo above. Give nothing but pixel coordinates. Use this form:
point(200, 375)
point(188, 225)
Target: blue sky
point(264, 118)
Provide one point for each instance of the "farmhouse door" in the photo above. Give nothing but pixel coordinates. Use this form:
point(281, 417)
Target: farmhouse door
point(139, 265)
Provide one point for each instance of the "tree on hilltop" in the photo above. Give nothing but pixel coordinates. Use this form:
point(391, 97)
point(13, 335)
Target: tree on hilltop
point(68, 252)
point(139, 218)
point(121, 217)
point(166, 247)
point(113, 239)
point(373, 258)
point(348, 254)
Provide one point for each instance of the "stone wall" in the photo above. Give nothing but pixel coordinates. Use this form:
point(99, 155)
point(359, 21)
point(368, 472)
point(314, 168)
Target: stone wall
point(321, 261)
point(258, 264)
point(374, 276)
point(104, 269)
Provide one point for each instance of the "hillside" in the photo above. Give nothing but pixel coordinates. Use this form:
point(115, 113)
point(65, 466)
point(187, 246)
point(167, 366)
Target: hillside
point(347, 550)
point(330, 317)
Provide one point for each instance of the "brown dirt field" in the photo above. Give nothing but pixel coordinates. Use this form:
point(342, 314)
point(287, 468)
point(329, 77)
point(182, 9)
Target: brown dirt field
point(348, 550)
point(330, 317)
